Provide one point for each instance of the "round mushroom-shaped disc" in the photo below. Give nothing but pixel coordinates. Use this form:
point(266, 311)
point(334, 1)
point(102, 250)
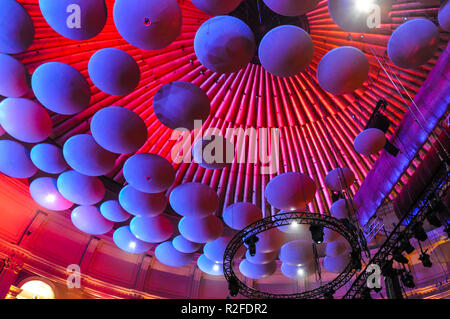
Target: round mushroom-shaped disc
point(216, 7)
point(444, 16)
point(89, 220)
point(80, 189)
point(194, 200)
point(25, 120)
point(75, 19)
point(15, 160)
point(13, 77)
point(343, 208)
point(370, 141)
point(240, 215)
point(48, 158)
point(215, 250)
point(257, 271)
point(261, 258)
point(114, 71)
point(343, 70)
point(359, 15)
point(201, 230)
point(16, 27)
point(296, 271)
point(169, 256)
point(118, 130)
point(112, 211)
point(61, 88)
point(298, 232)
point(336, 264)
point(179, 104)
point(297, 252)
point(44, 192)
point(149, 173)
point(413, 43)
point(331, 236)
point(339, 178)
point(337, 248)
point(151, 229)
point(85, 156)
point(286, 51)
point(213, 152)
point(290, 191)
point(185, 246)
point(210, 267)
point(126, 241)
point(142, 204)
point(224, 44)
point(270, 240)
point(291, 8)
point(148, 25)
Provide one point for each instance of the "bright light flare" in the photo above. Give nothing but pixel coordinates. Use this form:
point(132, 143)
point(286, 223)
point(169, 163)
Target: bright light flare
point(132, 245)
point(300, 272)
point(364, 5)
point(50, 198)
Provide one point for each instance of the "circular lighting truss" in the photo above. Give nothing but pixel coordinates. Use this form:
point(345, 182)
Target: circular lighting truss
point(344, 228)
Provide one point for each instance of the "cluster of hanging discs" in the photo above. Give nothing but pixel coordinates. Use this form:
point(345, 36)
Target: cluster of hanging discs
point(68, 177)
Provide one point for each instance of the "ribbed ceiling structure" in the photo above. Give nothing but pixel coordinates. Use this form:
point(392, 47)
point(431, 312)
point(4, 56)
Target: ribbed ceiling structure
point(316, 128)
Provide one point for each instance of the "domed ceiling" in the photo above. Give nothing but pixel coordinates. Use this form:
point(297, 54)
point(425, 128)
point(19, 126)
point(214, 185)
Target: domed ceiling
point(317, 129)
point(312, 123)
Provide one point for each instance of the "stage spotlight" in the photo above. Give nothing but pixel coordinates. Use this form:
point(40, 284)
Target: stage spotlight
point(317, 233)
point(425, 259)
point(419, 232)
point(405, 245)
point(356, 260)
point(398, 257)
point(233, 287)
point(250, 242)
point(408, 280)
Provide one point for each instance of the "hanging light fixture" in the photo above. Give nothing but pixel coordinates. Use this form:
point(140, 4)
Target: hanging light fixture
point(317, 233)
point(419, 232)
point(250, 242)
point(407, 279)
point(405, 245)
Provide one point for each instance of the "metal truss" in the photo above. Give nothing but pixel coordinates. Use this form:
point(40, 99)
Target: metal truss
point(346, 229)
point(438, 188)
